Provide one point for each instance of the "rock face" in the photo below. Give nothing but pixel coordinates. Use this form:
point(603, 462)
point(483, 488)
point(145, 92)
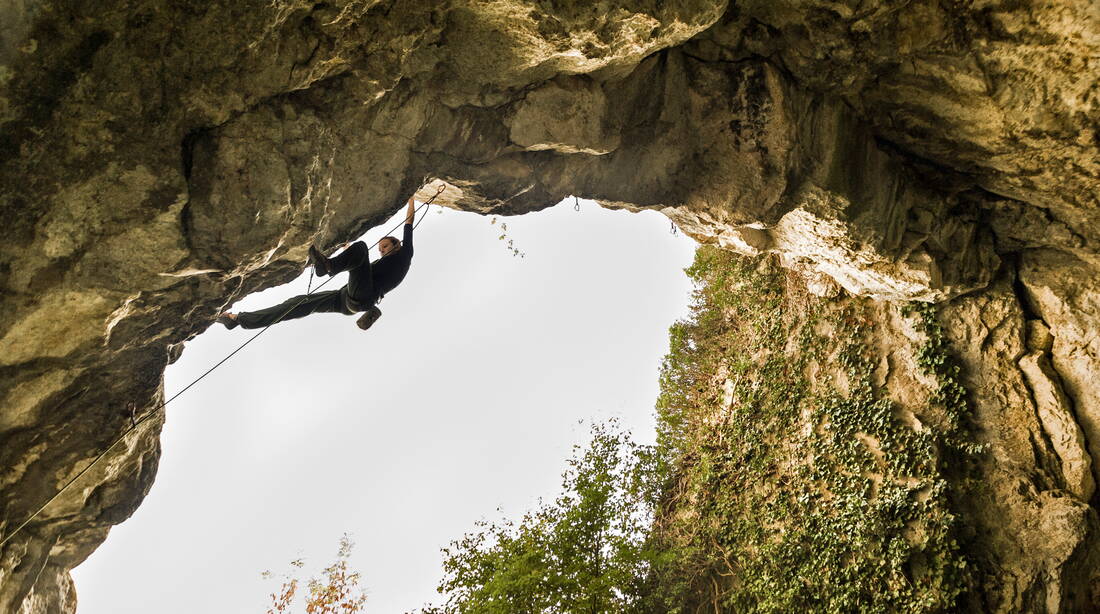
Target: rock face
point(835, 471)
point(161, 158)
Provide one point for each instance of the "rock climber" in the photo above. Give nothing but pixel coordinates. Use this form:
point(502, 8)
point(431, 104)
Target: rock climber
point(367, 283)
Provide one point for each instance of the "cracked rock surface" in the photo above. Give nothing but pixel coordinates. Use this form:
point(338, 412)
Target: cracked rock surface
point(159, 159)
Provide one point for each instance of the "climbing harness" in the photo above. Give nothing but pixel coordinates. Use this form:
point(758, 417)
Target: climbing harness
point(136, 424)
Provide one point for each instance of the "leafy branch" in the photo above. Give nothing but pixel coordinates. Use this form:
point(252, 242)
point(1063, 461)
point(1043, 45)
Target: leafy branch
point(510, 245)
point(336, 591)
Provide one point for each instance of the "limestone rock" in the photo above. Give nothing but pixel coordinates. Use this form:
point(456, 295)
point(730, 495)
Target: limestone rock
point(565, 115)
point(1065, 292)
point(1033, 507)
point(1060, 425)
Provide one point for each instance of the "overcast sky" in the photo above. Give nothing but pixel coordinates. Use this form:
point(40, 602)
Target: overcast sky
point(466, 396)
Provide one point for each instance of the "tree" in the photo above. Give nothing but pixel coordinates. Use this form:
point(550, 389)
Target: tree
point(584, 553)
point(337, 591)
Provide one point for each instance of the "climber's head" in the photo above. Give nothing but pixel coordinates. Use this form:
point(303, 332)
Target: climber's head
point(388, 245)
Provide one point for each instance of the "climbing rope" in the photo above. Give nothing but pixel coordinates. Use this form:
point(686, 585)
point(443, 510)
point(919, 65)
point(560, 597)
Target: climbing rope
point(136, 424)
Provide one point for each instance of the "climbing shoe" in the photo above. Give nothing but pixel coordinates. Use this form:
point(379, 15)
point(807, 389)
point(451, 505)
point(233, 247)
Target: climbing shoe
point(319, 262)
point(370, 317)
point(227, 321)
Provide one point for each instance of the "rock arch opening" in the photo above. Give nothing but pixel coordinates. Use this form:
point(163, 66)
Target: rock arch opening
point(466, 397)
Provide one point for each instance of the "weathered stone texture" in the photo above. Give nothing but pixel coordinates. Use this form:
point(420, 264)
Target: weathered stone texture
point(1065, 293)
point(161, 158)
point(1036, 532)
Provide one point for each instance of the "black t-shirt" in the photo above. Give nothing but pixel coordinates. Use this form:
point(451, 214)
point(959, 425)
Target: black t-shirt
point(389, 270)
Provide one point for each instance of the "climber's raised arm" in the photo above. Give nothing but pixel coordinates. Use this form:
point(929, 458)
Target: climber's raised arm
point(411, 215)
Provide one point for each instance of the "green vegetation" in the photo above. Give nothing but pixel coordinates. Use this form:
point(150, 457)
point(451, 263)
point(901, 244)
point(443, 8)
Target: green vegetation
point(511, 244)
point(584, 552)
point(949, 395)
point(785, 477)
point(798, 484)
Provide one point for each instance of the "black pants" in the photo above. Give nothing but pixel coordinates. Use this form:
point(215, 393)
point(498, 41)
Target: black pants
point(355, 259)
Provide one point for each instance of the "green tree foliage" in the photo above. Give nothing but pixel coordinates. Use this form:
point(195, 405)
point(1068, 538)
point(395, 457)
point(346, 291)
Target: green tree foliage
point(583, 553)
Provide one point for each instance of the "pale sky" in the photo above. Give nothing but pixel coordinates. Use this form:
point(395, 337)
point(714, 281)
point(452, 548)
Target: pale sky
point(466, 396)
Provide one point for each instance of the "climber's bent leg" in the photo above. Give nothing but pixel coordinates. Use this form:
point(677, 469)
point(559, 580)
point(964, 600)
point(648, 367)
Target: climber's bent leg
point(356, 261)
point(354, 256)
